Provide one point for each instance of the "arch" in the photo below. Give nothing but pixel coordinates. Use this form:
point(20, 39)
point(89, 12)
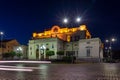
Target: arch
point(55, 29)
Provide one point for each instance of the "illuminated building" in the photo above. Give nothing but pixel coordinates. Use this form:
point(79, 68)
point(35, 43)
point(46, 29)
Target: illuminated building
point(64, 34)
point(7, 46)
point(57, 39)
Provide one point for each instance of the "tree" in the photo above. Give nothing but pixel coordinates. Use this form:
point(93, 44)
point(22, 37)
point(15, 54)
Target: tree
point(12, 54)
point(49, 53)
point(60, 53)
point(19, 55)
point(6, 55)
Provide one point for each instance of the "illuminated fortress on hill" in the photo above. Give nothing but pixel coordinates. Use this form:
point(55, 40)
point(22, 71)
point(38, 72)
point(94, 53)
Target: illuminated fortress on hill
point(74, 41)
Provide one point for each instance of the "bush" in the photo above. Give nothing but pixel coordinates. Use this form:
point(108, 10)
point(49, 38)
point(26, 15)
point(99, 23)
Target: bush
point(49, 53)
point(6, 55)
point(67, 59)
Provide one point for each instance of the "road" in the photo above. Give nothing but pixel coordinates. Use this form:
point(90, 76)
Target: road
point(34, 71)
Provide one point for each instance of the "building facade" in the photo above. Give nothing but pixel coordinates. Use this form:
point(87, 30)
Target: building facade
point(90, 50)
point(59, 39)
point(7, 46)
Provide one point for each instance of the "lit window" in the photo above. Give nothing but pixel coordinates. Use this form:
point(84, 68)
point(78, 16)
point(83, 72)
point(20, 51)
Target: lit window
point(67, 45)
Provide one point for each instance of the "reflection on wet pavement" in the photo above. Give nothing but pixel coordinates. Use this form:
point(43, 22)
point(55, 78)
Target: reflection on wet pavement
point(91, 71)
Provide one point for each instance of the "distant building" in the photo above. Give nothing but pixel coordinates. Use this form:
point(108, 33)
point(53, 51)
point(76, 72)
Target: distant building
point(21, 49)
point(63, 39)
point(7, 46)
point(90, 49)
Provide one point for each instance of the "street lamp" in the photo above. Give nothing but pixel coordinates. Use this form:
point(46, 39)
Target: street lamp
point(110, 41)
point(1, 34)
point(78, 19)
point(65, 20)
point(19, 52)
point(19, 49)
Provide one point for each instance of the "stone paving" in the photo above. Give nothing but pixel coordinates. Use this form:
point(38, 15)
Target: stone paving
point(105, 71)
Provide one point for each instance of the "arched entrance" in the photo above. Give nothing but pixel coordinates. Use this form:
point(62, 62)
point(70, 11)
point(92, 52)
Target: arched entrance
point(37, 54)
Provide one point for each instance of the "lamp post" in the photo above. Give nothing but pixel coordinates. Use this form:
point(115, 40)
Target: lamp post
point(19, 50)
point(1, 34)
point(110, 41)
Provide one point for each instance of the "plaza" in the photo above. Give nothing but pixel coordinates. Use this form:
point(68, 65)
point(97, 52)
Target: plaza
point(34, 71)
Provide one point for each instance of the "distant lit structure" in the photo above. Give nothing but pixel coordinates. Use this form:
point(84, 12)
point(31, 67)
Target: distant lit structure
point(64, 34)
point(63, 39)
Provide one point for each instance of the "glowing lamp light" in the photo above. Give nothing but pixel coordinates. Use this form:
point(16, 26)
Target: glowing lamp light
point(65, 20)
point(1, 33)
point(39, 34)
point(107, 41)
point(78, 19)
point(113, 39)
point(43, 47)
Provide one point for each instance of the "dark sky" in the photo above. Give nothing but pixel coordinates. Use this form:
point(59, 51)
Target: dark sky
point(19, 18)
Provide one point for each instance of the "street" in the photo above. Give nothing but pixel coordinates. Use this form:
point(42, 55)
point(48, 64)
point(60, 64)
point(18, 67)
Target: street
point(35, 71)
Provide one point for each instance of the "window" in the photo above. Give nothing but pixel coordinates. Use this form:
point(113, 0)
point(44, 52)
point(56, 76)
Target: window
point(88, 42)
point(30, 48)
point(52, 46)
point(88, 52)
point(37, 46)
point(75, 45)
point(67, 45)
point(47, 44)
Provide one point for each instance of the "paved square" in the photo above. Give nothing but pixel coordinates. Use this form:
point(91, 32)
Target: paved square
point(88, 71)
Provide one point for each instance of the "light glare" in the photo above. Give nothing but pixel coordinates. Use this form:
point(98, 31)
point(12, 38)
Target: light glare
point(25, 61)
point(1, 33)
point(107, 41)
point(113, 39)
point(78, 19)
point(65, 20)
point(11, 69)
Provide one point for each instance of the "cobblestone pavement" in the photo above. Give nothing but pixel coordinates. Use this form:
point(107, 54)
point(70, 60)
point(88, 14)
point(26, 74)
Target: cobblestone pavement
point(103, 71)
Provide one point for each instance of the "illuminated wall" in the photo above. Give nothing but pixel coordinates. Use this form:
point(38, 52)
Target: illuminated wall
point(61, 33)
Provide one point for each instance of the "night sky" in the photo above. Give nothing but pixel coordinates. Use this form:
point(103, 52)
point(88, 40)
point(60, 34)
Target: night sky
point(20, 18)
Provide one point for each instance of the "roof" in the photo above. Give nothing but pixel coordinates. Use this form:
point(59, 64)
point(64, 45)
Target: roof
point(7, 40)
